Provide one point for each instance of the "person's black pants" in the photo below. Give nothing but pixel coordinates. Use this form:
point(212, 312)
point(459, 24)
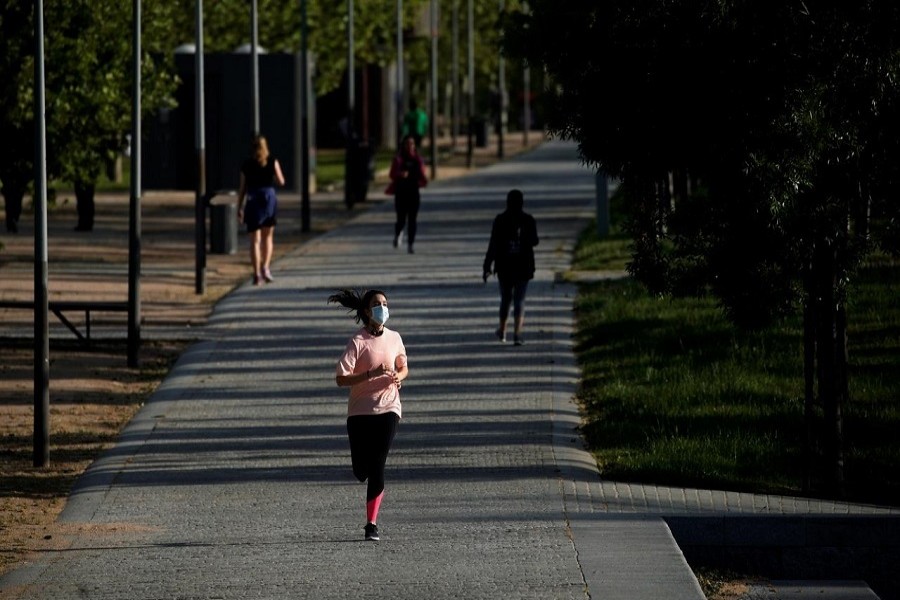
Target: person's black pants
point(407, 206)
point(371, 437)
point(512, 292)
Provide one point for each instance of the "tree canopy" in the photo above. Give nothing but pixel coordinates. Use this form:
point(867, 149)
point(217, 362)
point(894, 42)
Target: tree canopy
point(88, 78)
point(758, 142)
point(88, 64)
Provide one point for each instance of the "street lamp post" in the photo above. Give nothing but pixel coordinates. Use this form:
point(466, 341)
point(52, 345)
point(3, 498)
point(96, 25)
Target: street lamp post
point(351, 93)
point(434, 88)
point(470, 81)
point(304, 120)
point(134, 212)
point(41, 293)
point(501, 85)
point(400, 67)
point(254, 63)
point(454, 74)
point(200, 145)
point(526, 103)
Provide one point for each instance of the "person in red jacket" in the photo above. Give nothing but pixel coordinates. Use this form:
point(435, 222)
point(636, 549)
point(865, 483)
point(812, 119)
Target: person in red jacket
point(407, 176)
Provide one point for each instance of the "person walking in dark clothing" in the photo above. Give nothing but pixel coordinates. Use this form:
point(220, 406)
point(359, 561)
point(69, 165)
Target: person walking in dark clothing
point(407, 176)
point(12, 196)
point(510, 255)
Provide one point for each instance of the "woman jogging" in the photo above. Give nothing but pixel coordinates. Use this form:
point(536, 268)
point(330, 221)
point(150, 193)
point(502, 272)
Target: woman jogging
point(373, 366)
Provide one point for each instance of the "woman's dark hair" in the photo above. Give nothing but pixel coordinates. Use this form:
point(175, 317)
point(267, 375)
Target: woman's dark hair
point(402, 148)
point(515, 200)
point(356, 300)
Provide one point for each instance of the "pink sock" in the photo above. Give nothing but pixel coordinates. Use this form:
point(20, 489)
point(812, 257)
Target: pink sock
point(372, 507)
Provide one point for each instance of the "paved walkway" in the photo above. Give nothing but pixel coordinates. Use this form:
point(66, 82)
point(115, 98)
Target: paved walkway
point(234, 480)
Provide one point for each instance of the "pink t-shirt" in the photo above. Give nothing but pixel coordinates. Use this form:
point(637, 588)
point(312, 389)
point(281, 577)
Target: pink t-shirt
point(364, 352)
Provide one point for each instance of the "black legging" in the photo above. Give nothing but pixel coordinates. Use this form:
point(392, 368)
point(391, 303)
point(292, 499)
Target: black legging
point(371, 437)
point(407, 206)
point(512, 292)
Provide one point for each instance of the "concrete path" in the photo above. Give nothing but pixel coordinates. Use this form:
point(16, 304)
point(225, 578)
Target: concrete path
point(234, 480)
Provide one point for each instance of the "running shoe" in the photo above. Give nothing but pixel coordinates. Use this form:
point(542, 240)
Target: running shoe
point(372, 532)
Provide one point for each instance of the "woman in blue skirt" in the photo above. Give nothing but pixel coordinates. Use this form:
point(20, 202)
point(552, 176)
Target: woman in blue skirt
point(260, 172)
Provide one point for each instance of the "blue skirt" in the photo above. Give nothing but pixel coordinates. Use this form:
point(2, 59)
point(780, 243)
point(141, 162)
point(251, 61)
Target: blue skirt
point(261, 208)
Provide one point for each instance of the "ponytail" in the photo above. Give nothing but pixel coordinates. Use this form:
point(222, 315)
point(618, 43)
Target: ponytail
point(355, 300)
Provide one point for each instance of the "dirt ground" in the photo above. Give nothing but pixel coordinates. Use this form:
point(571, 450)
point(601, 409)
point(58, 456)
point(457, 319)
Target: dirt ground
point(93, 393)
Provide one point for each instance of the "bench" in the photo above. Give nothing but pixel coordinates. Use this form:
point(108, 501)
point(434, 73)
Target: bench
point(58, 307)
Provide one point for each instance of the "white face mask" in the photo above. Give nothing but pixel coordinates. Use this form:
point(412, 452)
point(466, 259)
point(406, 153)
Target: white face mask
point(380, 314)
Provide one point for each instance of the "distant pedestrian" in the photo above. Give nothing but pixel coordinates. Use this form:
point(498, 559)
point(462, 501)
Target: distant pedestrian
point(407, 176)
point(415, 123)
point(510, 255)
point(373, 366)
point(12, 198)
point(260, 172)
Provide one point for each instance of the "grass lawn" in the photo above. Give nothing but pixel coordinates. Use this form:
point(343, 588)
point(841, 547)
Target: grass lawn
point(329, 170)
point(673, 394)
point(330, 164)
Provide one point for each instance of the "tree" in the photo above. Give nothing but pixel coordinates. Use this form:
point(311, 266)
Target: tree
point(759, 145)
point(88, 88)
point(16, 71)
point(227, 26)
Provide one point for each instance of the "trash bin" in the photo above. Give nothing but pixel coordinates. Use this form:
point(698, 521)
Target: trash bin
point(480, 130)
point(223, 226)
point(360, 165)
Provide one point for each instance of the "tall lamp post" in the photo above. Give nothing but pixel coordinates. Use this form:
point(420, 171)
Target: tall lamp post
point(526, 94)
point(41, 293)
point(501, 84)
point(434, 88)
point(454, 74)
point(526, 104)
point(200, 145)
point(134, 213)
point(349, 155)
point(304, 120)
point(470, 81)
point(254, 63)
point(400, 67)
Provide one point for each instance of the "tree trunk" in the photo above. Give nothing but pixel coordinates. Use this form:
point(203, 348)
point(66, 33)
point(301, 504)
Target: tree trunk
point(84, 199)
point(831, 363)
point(809, 389)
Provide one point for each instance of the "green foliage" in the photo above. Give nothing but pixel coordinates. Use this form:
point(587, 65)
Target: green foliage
point(592, 256)
point(16, 98)
point(88, 63)
point(758, 143)
point(612, 253)
point(227, 26)
point(748, 134)
point(88, 79)
point(674, 394)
